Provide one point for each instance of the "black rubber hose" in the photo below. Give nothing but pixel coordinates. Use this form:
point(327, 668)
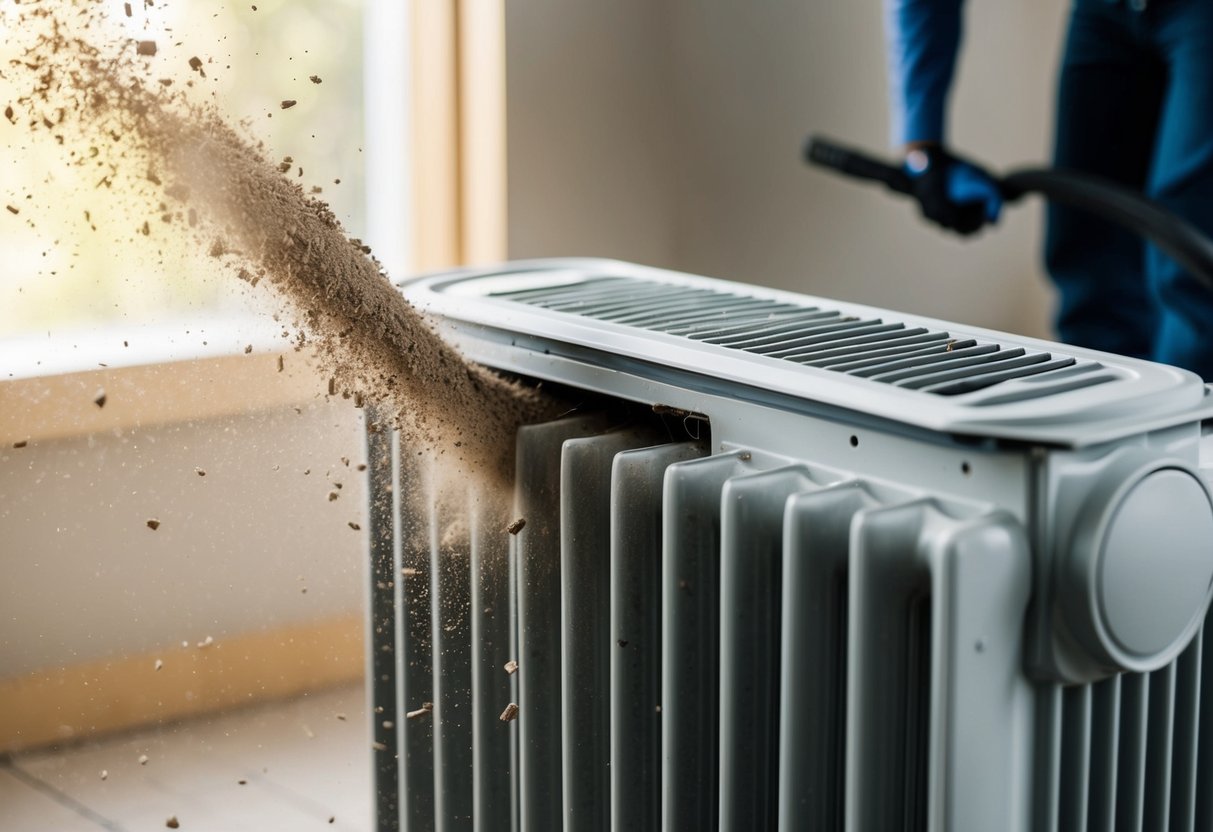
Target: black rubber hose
point(1128, 209)
point(1179, 239)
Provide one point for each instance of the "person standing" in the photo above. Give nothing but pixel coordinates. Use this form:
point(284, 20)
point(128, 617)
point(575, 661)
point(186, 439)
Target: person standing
point(1134, 106)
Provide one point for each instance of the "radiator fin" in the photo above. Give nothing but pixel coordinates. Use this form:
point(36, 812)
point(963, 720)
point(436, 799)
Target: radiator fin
point(415, 656)
point(536, 552)
point(751, 562)
point(494, 774)
point(451, 650)
point(1132, 751)
point(690, 587)
point(635, 637)
point(813, 700)
point(585, 611)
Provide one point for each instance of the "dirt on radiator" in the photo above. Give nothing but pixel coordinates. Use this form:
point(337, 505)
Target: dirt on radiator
point(183, 167)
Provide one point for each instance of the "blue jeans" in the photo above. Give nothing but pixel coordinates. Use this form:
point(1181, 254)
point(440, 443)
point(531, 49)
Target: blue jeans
point(1135, 104)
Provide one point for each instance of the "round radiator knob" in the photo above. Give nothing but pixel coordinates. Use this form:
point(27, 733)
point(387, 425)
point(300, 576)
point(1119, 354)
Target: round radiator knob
point(1139, 570)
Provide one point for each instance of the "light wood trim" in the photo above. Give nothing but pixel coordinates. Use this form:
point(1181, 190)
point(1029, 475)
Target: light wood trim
point(61, 406)
point(82, 701)
point(482, 130)
point(435, 127)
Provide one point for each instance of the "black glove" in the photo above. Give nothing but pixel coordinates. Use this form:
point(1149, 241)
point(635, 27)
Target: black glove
point(952, 192)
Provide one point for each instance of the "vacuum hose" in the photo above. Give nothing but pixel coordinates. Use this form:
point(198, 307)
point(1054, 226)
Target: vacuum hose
point(1121, 206)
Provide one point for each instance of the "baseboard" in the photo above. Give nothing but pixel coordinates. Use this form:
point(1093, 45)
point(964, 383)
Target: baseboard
point(77, 702)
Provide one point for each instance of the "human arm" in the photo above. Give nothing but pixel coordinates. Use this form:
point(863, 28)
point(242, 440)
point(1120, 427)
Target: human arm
point(923, 40)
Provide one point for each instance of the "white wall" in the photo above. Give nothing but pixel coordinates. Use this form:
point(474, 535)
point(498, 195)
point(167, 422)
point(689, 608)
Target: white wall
point(86, 579)
point(670, 133)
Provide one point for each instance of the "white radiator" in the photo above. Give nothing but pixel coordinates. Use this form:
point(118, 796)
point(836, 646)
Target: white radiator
point(797, 564)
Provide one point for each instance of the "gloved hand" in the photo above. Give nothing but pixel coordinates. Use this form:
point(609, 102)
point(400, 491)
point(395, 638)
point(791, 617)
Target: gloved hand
point(952, 192)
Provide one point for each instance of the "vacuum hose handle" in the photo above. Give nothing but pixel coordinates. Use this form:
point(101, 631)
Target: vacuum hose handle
point(856, 164)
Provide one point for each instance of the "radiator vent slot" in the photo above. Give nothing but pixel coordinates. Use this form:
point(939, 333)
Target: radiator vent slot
point(890, 352)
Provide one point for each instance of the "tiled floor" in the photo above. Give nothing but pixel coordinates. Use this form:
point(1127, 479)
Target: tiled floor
point(303, 766)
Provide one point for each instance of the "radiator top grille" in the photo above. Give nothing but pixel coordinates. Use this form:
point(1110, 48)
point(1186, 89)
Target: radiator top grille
point(629, 325)
point(875, 348)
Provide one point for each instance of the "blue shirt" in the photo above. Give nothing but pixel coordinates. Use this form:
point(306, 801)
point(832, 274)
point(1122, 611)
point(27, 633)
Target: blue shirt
point(923, 39)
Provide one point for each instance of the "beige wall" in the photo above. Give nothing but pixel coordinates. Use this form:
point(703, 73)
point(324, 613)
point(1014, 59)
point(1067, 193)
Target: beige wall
point(669, 133)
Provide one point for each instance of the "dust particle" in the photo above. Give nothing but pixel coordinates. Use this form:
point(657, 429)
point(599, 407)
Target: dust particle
point(355, 526)
point(340, 717)
point(378, 746)
point(12, 209)
point(511, 667)
point(21, 443)
point(332, 818)
point(516, 526)
point(146, 47)
point(248, 349)
point(510, 713)
point(288, 103)
point(241, 782)
point(424, 710)
point(332, 496)
point(153, 524)
point(281, 363)
point(99, 398)
point(361, 466)
point(159, 664)
point(200, 472)
point(172, 822)
point(126, 7)
point(196, 65)
point(105, 774)
point(315, 79)
point(142, 759)
point(205, 643)
point(410, 572)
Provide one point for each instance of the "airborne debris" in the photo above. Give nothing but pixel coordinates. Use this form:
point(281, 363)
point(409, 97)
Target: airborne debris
point(340, 717)
point(172, 822)
point(426, 708)
point(315, 79)
point(99, 398)
point(20, 443)
point(205, 643)
point(355, 526)
point(105, 774)
point(200, 472)
point(153, 524)
point(146, 47)
point(511, 667)
point(142, 759)
point(516, 526)
point(12, 209)
point(288, 103)
point(159, 664)
point(510, 713)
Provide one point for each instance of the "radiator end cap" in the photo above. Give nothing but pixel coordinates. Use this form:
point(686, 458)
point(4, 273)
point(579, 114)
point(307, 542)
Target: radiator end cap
point(1139, 576)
